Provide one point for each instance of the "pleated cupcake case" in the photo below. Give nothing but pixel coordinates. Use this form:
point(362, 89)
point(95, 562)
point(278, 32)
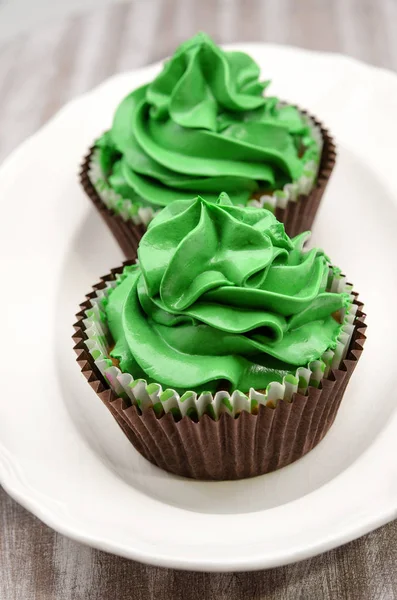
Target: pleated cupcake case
point(295, 205)
point(206, 436)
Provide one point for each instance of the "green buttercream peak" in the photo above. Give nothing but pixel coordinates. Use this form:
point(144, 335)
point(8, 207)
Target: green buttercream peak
point(203, 124)
point(222, 294)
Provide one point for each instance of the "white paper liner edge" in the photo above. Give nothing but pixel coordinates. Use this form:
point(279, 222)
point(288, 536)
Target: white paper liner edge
point(133, 210)
point(145, 395)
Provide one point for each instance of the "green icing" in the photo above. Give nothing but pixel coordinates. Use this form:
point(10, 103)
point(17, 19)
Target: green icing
point(222, 298)
point(203, 125)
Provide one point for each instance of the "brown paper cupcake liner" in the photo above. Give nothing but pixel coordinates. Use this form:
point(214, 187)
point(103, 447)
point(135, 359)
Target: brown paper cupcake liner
point(231, 447)
point(297, 216)
point(126, 233)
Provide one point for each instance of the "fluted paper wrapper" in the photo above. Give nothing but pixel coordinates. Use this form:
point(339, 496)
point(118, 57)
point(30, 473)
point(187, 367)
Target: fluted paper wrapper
point(295, 209)
point(231, 447)
point(299, 216)
point(126, 232)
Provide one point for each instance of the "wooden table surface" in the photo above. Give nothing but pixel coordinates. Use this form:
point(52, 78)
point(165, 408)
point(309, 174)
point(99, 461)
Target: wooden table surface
point(39, 73)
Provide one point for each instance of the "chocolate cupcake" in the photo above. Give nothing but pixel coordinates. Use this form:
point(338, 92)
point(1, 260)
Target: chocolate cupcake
point(225, 351)
point(204, 124)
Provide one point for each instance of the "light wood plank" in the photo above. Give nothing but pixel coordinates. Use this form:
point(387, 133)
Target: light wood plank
point(38, 73)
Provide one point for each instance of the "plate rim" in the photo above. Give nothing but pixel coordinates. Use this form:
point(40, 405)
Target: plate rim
point(14, 485)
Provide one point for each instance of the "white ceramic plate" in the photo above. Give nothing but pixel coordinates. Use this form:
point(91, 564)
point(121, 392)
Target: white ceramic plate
point(61, 453)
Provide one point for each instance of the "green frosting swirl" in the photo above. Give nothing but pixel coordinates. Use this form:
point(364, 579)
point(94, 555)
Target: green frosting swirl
point(221, 297)
point(203, 125)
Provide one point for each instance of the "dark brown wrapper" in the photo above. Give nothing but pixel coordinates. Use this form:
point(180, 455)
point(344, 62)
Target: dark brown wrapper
point(297, 217)
point(229, 448)
point(126, 233)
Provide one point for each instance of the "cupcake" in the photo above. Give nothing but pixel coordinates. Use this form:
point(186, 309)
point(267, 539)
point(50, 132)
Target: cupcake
point(202, 125)
point(225, 350)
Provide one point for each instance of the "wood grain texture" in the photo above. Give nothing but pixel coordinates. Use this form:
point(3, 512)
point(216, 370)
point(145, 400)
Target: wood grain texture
point(39, 564)
point(41, 71)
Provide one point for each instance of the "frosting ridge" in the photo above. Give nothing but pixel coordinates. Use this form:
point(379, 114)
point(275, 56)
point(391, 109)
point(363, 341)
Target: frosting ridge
point(222, 296)
point(203, 124)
